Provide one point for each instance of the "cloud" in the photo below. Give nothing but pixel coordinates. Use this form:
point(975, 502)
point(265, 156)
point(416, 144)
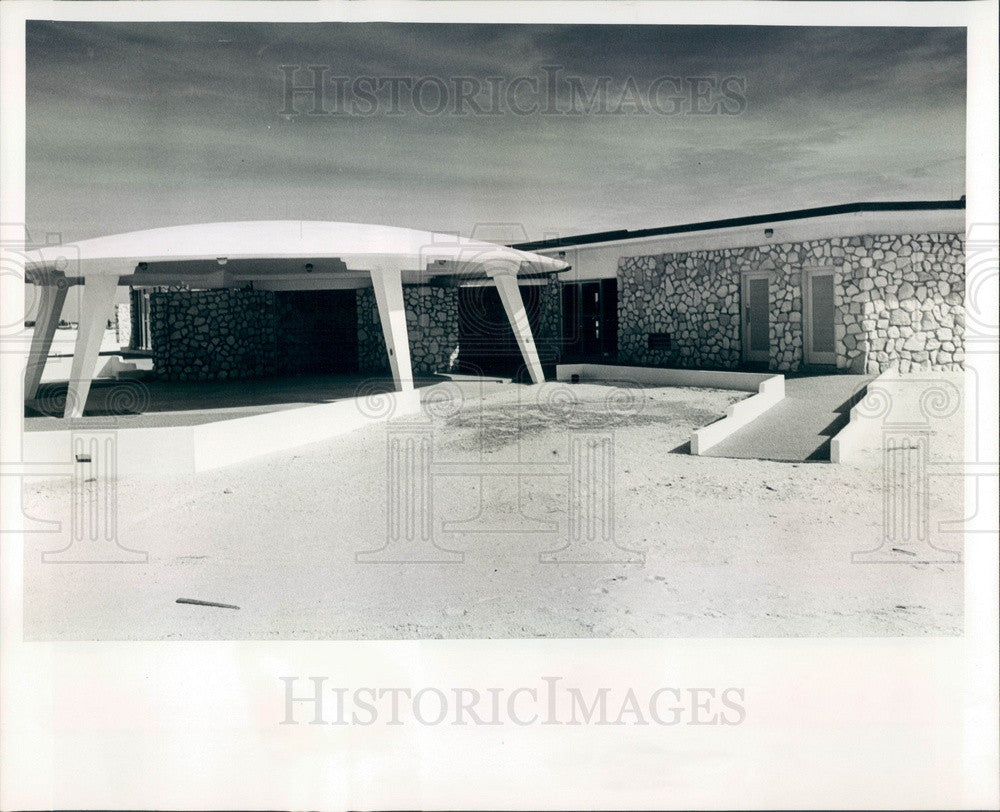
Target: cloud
point(147, 124)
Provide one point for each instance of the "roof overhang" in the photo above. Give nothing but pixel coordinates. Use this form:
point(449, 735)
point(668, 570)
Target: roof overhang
point(270, 252)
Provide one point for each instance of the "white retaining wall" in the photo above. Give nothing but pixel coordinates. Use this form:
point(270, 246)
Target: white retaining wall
point(769, 389)
point(172, 450)
point(862, 430)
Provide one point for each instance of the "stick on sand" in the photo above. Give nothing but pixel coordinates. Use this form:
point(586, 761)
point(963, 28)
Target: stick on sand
point(195, 602)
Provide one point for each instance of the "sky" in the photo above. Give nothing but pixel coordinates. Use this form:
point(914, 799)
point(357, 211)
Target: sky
point(142, 125)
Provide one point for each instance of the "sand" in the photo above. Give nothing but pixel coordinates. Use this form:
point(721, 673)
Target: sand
point(701, 546)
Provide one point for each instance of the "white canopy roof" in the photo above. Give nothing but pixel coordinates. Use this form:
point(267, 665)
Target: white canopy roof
point(267, 249)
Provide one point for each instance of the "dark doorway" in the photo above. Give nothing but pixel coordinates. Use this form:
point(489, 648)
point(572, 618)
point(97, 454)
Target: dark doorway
point(590, 320)
point(485, 340)
point(317, 331)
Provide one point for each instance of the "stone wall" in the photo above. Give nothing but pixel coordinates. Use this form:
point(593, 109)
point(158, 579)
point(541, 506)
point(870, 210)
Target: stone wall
point(903, 300)
point(693, 297)
point(549, 339)
point(432, 324)
point(898, 300)
point(213, 334)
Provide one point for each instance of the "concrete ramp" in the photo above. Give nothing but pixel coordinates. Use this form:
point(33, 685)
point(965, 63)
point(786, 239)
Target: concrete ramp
point(800, 427)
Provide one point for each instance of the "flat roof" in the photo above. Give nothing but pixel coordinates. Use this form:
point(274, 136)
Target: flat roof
point(733, 222)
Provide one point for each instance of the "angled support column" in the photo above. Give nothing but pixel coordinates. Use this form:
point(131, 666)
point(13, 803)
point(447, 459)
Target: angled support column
point(95, 310)
point(388, 287)
point(46, 320)
point(510, 295)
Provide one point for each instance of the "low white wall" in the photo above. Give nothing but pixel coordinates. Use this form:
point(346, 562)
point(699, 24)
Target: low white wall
point(58, 368)
point(862, 430)
point(231, 441)
point(770, 392)
point(769, 389)
point(656, 376)
point(173, 450)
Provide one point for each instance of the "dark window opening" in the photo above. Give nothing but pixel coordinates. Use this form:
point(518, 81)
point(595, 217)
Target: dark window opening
point(658, 341)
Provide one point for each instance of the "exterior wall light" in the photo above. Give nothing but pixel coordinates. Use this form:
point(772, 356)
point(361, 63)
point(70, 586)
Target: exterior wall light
point(309, 267)
point(768, 232)
point(222, 260)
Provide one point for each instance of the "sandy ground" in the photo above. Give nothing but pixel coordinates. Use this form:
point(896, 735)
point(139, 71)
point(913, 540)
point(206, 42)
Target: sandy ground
point(723, 547)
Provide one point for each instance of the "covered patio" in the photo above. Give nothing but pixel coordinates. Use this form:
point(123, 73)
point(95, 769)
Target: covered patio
point(265, 256)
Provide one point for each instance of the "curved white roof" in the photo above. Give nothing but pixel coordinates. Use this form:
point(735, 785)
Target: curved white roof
point(280, 247)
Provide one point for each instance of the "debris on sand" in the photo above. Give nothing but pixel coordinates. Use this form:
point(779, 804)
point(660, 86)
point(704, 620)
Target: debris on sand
point(196, 602)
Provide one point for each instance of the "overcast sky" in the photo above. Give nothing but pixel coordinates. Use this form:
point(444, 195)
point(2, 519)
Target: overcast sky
point(144, 125)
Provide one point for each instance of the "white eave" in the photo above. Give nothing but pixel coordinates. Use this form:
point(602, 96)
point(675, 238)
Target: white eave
point(600, 259)
point(272, 249)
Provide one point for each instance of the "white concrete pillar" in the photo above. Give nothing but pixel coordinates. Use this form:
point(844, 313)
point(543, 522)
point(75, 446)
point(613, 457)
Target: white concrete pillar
point(388, 287)
point(46, 320)
point(95, 310)
point(510, 295)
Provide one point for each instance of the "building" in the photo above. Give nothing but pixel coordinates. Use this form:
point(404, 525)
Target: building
point(858, 287)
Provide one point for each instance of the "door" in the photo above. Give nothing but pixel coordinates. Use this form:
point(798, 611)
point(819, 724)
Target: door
point(609, 317)
point(590, 319)
point(756, 318)
point(819, 344)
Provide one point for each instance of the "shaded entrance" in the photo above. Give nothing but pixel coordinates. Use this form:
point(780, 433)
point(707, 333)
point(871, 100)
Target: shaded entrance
point(316, 331)
point(486, 342)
